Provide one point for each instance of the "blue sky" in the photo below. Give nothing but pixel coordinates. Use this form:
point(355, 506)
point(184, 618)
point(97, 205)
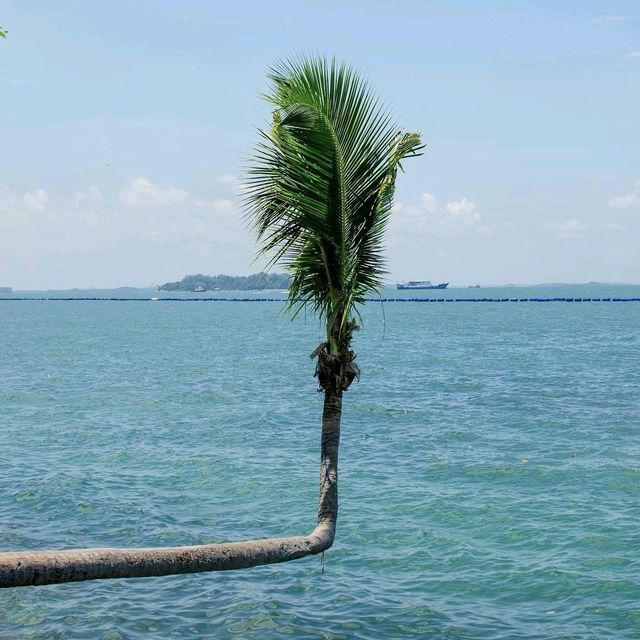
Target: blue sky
point(124, 127)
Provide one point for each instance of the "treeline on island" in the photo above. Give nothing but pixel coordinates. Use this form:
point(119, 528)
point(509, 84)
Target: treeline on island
point(223, 282)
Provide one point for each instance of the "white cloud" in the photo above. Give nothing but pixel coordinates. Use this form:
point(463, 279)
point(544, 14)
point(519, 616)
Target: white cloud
point(463, 209)
point(222, 206)
point(141, 192)
point(36, 200)
point(36, 227)
point(229, 178)
point(429, 203)
point(430, 218)
point(631, 199)
point(566, 228)
point(634, 55)
point(90, 197)
point(613, 226)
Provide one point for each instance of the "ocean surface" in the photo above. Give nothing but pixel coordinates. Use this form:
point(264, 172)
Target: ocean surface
point(489, 470)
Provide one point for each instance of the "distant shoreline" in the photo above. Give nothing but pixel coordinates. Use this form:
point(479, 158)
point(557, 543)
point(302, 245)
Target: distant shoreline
point(390, 286)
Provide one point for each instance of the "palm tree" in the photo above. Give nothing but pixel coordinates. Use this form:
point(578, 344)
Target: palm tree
point(319, 195)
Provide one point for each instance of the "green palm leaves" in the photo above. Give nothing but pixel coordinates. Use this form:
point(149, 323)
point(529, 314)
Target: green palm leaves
point(320, 186)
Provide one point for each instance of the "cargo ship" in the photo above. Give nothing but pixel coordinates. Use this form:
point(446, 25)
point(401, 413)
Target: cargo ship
point(421, 284)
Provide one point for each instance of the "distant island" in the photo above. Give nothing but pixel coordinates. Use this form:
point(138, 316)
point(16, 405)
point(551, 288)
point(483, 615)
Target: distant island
point(6, 289)
point(254, 282)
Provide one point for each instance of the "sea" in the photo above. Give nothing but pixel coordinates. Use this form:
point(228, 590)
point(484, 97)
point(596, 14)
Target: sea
point(489, 463)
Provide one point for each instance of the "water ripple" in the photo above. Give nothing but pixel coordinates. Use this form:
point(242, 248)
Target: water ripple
point(489, 469)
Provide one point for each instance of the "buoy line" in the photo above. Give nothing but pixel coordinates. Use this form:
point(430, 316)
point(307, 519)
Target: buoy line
point(86, 299)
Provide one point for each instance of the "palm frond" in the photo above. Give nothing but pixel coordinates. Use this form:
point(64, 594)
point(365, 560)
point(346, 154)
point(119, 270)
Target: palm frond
point(320, 186)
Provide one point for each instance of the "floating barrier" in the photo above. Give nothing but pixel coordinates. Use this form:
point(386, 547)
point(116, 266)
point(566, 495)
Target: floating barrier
point(157, 299)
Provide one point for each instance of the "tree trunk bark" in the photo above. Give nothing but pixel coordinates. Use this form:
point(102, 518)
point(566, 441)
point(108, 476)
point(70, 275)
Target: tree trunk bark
point(30, 568)
point(330, 442)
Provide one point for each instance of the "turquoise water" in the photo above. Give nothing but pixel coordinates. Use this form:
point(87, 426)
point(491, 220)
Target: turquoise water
point(490, 467)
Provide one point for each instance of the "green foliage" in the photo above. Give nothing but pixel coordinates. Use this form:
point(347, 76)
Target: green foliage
point(320, 187)
point(254, 282)
point(3, 33)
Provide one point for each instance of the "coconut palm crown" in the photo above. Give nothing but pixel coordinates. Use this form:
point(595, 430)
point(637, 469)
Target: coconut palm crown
point(320, 194)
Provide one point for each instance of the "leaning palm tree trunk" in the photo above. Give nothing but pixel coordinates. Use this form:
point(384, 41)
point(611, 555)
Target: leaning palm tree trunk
point(30, 568)
point(319, 196)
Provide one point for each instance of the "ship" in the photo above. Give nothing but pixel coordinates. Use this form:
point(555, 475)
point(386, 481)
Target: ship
point(421, 284)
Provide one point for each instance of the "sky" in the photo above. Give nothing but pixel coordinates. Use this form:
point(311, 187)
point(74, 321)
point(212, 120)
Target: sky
point(125, 127)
